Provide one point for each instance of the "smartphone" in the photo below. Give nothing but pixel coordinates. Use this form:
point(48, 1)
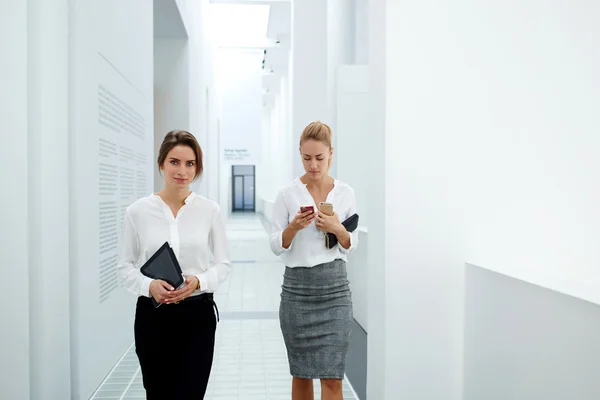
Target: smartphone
point(326, 208)
point(304, 209)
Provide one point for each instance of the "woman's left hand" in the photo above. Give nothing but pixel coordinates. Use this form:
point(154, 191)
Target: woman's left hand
point(328, 223)
point(191, 284)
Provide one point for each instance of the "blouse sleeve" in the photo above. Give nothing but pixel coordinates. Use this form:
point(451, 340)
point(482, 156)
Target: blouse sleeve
point(127, 270)
point(219, 271)
point(280, 221)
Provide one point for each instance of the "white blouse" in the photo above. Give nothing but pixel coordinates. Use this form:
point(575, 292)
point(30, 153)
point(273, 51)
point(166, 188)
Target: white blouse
point(308, 247)
point(198, 228)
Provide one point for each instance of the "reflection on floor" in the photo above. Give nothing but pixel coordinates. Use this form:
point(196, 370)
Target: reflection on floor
point(250, 359)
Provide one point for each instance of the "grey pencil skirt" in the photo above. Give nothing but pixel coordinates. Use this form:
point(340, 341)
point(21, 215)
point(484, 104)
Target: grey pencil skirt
point(315, 315)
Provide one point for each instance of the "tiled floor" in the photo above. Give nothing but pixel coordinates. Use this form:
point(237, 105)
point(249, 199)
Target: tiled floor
point(250, 359)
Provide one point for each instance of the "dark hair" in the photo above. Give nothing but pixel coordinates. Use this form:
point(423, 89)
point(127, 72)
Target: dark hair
point(180, 138)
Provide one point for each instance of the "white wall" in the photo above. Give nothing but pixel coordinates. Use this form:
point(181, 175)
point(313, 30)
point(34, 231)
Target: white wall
point(361, 32)
point(352, 105)
point(358, 276)
point(238, 80)
point(202, 91)
point(308, 71)
point(112, 164)
point(536, 130)
point(340, 51)
point(240, 85)
point(49, 211)
point(276, 167)
point(523, 341)
point(14, 259)
point(489, 158)
point(35, 253)
point(378, 378)
point(171, 92)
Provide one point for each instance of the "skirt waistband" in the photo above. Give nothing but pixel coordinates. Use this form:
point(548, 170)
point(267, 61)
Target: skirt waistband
point(327, 275)
point(204, 297)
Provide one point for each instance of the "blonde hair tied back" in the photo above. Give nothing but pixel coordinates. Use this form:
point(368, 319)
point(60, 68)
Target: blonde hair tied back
point(317, 131)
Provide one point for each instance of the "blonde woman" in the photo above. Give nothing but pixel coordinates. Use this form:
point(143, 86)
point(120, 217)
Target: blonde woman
point(316, 305)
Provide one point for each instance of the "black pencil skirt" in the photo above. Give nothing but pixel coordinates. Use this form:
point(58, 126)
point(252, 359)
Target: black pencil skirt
point(175, 344)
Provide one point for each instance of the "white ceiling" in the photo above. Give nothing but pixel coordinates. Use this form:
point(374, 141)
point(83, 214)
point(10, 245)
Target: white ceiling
point(276, 59)
point(260, 24)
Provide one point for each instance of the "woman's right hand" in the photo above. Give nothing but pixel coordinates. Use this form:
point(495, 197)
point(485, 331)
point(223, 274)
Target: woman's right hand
point(302, 219)
point(161, 291)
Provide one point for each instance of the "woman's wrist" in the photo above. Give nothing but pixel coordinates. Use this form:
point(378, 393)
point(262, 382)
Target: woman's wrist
point(340, 232)
point(290, 228)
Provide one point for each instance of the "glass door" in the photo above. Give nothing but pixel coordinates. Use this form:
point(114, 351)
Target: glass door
point(243, 190)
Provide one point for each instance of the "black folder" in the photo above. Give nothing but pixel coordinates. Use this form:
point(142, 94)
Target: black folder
point(163, 265)
point(351, 224)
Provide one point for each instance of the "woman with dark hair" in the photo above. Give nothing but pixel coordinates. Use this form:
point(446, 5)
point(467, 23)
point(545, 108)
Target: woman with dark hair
point(175, 341)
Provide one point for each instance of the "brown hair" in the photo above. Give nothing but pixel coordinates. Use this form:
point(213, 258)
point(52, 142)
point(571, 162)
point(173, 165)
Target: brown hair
point(317, 131)
point(180, 138)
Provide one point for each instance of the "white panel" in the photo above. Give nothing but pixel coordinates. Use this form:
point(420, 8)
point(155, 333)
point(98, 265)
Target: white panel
point(48, 144)
point(308, 66)
point(340, 51)
point(378, 379)
point(358, 275)
point(171, 94)
point(354, 125)
point(361, 32)
point(14, 260)
point(112, 155)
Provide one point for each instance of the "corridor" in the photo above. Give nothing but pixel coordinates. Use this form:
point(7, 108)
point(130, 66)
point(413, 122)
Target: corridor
point(250, 359)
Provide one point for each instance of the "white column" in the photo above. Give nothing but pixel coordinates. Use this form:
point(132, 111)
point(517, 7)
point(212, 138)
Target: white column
point(48, 125)
point(416, 250)
point(378, 377)
point(340, 51)
point(309, 70)
point(14, 260)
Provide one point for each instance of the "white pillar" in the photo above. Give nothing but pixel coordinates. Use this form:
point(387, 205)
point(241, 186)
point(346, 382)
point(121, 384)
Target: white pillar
point(378, 377)
point(309, 70)
point(416, 259)
point(340, 51)
point(14, 259)
point(48, 125)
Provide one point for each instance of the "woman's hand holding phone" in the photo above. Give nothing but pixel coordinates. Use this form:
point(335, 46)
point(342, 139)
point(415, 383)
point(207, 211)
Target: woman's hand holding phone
point(303, 218)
